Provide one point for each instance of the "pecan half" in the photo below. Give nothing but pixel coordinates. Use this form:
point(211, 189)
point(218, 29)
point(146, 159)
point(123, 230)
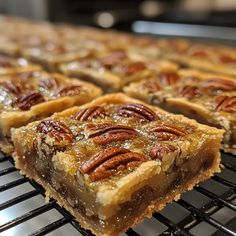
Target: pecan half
point(161, 149)
point(15, 87)
point(110, 161)
point(189, 92)
point(107, 133)
point(227, 59)
point(225, 103)
point(134, 67)
point(167, 132)
point(113, 59)
point(5, 63)
point(48, 83)
point(217, 83)
point(27, 100)
point(151, 86)
point(70, 90)
point(137, 110)
point(196, 52)
point(169, 78)
point(55, 129)
point(90, 113)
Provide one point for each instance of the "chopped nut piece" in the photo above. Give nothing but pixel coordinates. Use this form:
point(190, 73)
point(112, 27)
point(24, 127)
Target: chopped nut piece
point(161, 149)
point(56, 130)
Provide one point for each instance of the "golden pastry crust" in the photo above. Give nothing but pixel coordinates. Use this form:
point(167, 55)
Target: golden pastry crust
point(89, 145)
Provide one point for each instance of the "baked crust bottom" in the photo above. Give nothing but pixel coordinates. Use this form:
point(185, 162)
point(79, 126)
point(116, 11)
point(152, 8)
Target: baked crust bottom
point(141, 205)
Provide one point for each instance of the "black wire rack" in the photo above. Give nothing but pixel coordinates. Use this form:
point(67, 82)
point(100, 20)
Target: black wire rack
point(209, 209)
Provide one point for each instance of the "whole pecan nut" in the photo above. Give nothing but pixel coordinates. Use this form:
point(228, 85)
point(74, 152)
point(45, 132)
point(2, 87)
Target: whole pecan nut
point(189, 92)
point(107, 133)
point(225, 103)
point(110, 161)
point(70, 90)
point(138, 111)
point(26, 101)
point(55, 129)
point(90, 113)
point(168, 132)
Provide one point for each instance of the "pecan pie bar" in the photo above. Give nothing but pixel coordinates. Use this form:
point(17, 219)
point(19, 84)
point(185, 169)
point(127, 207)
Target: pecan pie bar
point(114, 69)
point(208, 98)
point(207, 57)
point(51, 53)
point(10, 65)
point(32, 95)
point(121, 159)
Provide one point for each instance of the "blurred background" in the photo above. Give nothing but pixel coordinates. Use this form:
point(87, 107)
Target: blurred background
point(143, 16)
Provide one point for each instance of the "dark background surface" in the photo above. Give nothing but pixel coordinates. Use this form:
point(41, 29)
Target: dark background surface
point(172, 18)
point(125, 12)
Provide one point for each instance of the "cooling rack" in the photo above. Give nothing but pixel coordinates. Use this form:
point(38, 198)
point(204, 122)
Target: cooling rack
point(209, 209)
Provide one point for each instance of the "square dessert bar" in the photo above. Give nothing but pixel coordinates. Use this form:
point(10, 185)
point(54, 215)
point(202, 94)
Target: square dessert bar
point(207, 57)
point(209, 98)
point(30, 96)
point(10, 65)
point(114, 69)
point(121, 159)
point(213, 58)
point(52, 52)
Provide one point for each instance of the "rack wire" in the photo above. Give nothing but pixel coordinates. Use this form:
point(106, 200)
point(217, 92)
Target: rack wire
point(216, 215)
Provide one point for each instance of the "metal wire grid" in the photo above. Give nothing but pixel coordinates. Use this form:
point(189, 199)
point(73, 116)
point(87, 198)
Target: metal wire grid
point(194, 217)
